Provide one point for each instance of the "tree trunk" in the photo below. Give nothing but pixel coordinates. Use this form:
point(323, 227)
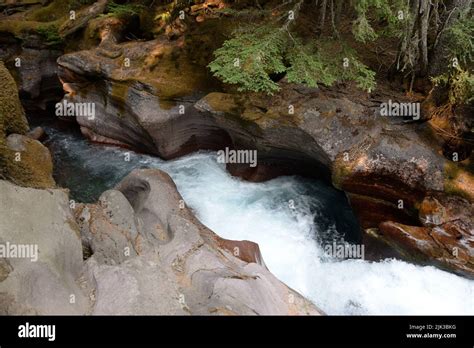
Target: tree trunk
point(322, 17)
point(440, 55)
point(424, 13)
point(408, 51)
point(338, 11)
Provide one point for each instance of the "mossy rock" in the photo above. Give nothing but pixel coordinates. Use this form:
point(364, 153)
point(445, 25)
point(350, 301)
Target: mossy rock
point(19, 28)
point(29, 162)
point(56, 10)
point(222, 102)
point(12, 116)
point(35, 18)
point(34, 168)
point(42, 20)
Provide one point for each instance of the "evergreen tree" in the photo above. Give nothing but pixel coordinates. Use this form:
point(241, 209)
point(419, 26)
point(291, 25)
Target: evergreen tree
point(430, 33)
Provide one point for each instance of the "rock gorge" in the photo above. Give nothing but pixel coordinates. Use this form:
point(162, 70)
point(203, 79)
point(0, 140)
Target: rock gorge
point(379, 162)
point(138, 250)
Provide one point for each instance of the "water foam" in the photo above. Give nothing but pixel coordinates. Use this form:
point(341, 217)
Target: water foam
point(287, 237)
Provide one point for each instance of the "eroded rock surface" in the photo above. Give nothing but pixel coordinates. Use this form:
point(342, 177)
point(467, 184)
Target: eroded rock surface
point(155, 257)
point(385, 166)
point(446, 237)
point(144, 253)
point(45, 279)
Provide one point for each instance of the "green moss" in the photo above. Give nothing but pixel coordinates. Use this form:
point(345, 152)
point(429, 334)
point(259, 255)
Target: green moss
point(44, 20)
point(13, 118)
point(54, 11)
point(90, 37)
point(341, 170)
point(50, 34)
point(19, 27)
point(79, 3)
point(222, 102)
point(34, 169)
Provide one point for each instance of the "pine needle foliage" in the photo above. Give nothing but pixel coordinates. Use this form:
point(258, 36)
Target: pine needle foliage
point(250, 57)
point(254, 54)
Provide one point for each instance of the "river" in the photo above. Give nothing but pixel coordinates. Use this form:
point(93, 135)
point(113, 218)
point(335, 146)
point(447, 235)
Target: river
point(290, 217)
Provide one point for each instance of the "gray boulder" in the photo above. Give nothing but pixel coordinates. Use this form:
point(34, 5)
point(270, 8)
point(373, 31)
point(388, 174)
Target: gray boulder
point(42, 276)
point(167, 262)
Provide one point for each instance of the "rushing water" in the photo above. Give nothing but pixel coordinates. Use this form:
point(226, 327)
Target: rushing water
point(289, 217)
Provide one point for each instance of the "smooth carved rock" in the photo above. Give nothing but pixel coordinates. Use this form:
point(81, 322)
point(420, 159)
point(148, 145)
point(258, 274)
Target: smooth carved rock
point(37, 78)
point(145, 254)
point(49, 285)
point(447, 236)
point(181, 267)
point(385, 166)
point(108, 229)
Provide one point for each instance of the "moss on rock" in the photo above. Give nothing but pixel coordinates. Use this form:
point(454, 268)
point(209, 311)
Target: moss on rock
point(29, 163)
point(24, 161)
point(52, 12)
point(12, 116)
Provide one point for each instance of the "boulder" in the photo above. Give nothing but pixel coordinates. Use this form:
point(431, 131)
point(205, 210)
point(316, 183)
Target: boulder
point(32, 164)
point(12, 115)
point(150, 255)
point(143, 253)
point(37, 133)
point(45, 278)
point(23, 160)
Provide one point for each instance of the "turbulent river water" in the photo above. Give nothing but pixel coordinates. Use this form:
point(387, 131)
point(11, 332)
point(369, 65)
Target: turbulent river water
point(289, 217)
